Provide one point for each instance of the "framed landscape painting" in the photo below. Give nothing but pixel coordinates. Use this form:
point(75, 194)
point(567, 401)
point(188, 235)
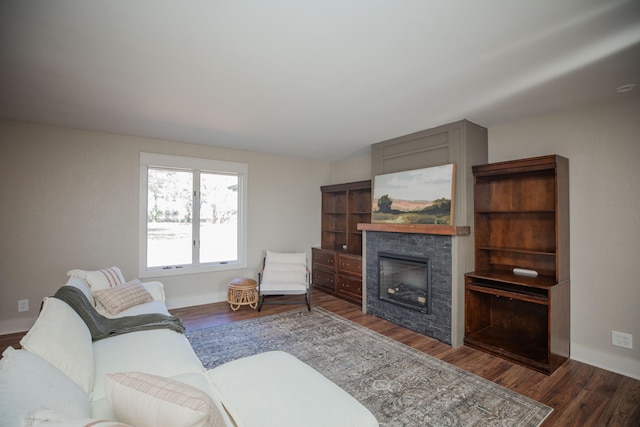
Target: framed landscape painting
point(420, 196)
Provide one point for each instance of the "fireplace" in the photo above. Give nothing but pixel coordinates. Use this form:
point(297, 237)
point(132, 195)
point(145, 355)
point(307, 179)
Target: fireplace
point(405, 281)
point(410, 256)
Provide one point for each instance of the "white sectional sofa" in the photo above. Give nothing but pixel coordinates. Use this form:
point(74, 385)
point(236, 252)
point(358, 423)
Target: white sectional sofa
point(62, 377)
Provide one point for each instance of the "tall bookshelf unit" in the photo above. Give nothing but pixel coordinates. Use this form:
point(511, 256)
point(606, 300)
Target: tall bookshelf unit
point(337, 264)
point(521, 213)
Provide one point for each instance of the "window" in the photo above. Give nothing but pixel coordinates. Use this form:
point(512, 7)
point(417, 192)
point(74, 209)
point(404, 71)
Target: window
point(192, 215)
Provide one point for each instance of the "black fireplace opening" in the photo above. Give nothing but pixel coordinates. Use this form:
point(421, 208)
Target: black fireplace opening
point(405, 281)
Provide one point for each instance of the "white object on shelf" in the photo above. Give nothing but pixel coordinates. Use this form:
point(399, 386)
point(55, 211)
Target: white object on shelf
point(525, 272)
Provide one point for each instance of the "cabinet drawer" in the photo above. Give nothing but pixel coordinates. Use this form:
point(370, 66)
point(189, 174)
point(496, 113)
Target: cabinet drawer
point(350, 264)
point(350, 285)
point(324, 279)
point(324, 258)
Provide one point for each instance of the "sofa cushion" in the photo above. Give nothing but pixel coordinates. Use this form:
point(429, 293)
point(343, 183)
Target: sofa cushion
point(80, 283)
point(266, 383)
point(88, 422)
point(146, 308)
point(29, 384)
point(100, 279)
point(121, 297)
point(100, 407)
point(156, 289)
point(53, 419)
point(200, 381)
point(62, 338)
point(146, 400)
point(159, 351)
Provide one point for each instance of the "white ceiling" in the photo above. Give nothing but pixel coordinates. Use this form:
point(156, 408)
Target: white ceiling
point(311, 79)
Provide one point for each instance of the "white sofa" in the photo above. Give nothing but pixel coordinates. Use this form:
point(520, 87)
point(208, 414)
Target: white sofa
point(154, 378)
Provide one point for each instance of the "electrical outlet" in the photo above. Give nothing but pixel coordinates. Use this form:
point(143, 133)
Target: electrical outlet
point(622, 339)
point(23, 305)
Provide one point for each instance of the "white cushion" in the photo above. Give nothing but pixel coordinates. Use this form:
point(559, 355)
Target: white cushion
point(286, 258)
point(282, 288)
point(200, 381)
point(156, 289)
point(62, 338)
point(159, 351)
point(121, 297)
point(53, 419)
point(146, 400)
point(100, 279)
point(80, 283)
point(276, 389)
point(148, 307)
point(285, 268)
point(29, 384)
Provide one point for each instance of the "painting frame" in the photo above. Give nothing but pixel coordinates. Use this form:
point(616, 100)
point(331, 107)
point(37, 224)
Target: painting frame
point(417, 196)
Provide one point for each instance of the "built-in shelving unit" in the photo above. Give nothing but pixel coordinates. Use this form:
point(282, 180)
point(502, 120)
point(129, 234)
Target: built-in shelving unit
point(337, 264)
point(521, 214)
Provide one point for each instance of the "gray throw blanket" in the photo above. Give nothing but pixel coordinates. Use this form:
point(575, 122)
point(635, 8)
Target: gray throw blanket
point(104, 327)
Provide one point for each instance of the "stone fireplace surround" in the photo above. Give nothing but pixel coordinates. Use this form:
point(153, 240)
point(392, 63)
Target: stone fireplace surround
point(465, 144)
point(437, 248)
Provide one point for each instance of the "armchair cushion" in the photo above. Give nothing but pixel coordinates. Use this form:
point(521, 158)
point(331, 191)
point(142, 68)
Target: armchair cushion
point(286, 258)
point(285, 268)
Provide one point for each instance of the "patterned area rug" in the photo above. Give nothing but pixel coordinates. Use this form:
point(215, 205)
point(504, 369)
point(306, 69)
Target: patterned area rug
point(401, 386)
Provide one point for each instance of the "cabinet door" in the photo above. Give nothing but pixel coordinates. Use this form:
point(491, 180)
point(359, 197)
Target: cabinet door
point(324, 279)
point(350, 264)
point(350, 286)
point(323, 258)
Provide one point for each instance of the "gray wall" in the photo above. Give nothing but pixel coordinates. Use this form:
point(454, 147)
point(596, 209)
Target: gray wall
point(70, 200)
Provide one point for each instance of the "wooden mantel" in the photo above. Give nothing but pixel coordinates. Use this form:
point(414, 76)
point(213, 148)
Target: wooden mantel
point(449, 230)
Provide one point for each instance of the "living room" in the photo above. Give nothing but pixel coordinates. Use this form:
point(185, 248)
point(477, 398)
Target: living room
point(71, 197)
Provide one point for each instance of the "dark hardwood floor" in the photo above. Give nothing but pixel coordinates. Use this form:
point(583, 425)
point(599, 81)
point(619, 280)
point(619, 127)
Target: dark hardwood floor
point(580, 394)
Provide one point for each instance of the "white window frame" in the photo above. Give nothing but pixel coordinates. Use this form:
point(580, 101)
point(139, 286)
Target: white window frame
point(151, 160)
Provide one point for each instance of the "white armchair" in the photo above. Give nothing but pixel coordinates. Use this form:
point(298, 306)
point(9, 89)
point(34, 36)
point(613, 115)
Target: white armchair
point(284, 274)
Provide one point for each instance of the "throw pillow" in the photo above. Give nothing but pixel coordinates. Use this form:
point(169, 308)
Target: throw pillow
point(104, 279)
point(28, 384)
point(122, 297)
point(62, 338)
point(145, 400)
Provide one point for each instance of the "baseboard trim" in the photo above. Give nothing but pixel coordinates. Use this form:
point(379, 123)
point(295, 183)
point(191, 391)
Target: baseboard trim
point(13, 326)
point(626, 366)
point(195, 300)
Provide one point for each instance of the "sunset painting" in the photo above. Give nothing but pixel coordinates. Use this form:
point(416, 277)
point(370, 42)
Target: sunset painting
point(420, 196)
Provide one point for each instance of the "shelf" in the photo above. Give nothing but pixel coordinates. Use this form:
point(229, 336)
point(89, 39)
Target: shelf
point(518, 250)
point(509, 292)
point(521, 349)
point(519, 212)
point(541, 281)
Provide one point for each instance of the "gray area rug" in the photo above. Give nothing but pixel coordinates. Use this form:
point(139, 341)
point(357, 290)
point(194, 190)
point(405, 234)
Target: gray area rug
point(401, 386)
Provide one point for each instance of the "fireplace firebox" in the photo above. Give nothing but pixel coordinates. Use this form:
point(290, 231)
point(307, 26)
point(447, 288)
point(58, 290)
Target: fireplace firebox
point(405, 281)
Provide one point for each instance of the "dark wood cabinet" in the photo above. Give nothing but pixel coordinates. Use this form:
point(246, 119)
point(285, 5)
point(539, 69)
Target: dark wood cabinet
point(337, 264)
point(517, 299)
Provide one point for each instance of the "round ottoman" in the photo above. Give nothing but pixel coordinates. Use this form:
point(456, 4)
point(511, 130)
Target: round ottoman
point(242, 291)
